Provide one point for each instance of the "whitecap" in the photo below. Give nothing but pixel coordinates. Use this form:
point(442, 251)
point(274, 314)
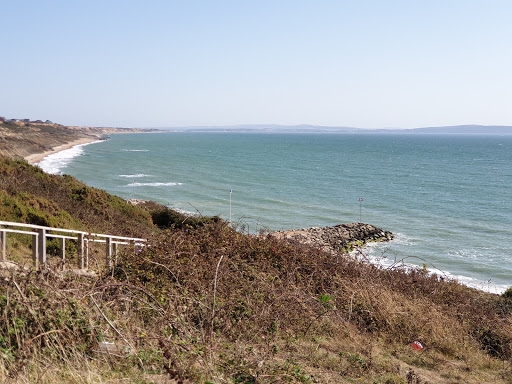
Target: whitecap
point(153, 184)
point(134, 150)
point(135, 176)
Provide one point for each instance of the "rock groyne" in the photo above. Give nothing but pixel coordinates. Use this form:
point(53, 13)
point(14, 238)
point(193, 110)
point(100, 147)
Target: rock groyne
point(340, 238)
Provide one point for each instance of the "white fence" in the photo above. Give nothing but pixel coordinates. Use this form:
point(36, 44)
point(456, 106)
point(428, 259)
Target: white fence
point(40, 233)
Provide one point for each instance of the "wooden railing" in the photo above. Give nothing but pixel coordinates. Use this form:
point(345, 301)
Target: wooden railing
point(40, 233)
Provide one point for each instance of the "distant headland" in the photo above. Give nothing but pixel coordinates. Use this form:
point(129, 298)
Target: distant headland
point(35, 139)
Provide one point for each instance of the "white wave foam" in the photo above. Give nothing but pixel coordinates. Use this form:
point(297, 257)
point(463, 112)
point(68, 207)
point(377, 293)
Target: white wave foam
point(134, 150)
point(487, 286)
point(55, 162)
point(400, 238)
point(472, 254)
point(135, 176)
point(152, 184)
point(381, 255)
point(183, 211)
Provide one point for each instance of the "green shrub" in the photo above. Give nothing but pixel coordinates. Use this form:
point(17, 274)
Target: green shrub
point(508, 293)
point(169, 218)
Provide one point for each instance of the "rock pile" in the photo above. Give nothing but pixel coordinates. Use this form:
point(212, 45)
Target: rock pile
point(340, 238)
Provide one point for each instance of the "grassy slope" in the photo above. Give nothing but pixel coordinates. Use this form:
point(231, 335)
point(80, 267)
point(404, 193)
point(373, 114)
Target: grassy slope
point(207, 304)
point(30, 195)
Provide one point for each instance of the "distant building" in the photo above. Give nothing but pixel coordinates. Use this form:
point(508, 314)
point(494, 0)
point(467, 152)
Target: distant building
point(38, 121)
point(48, 122)
point(25, 120)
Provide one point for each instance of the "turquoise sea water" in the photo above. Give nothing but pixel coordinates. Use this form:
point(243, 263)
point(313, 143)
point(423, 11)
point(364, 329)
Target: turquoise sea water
point(447, 198)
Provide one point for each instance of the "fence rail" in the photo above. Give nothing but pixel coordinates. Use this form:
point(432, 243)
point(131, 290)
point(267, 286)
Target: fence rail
point(40, 233)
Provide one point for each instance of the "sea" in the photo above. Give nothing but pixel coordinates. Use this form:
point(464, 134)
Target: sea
point(446, 198)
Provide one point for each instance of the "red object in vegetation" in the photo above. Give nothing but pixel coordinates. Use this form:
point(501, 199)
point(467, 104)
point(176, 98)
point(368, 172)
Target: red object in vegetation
point(417, 346)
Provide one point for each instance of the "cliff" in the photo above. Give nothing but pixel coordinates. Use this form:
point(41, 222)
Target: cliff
point(19, 139)
point(27, 140)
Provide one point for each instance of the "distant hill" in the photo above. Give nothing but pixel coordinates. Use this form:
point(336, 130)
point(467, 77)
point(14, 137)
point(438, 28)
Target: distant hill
point(467, 129)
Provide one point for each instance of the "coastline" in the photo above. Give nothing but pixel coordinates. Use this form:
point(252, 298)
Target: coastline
point(38, 157)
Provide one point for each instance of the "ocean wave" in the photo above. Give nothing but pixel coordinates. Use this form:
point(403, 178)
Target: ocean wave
point(471, 253)
point(153, 184)
point(183, 211)
point(487, 286)
point(134, 150)
point(398, 239)
point(135, 176)
point(381, 255)
point(55, 162)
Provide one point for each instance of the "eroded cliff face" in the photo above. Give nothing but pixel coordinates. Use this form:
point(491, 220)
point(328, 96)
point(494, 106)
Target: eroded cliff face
point(18, 140)
point(22, 139)
point(339, 238)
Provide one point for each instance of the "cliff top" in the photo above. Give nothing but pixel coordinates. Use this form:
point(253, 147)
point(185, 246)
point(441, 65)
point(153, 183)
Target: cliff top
point(19, 139)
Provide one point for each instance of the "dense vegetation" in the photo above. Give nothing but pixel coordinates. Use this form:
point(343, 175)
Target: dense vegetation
point(205, 303)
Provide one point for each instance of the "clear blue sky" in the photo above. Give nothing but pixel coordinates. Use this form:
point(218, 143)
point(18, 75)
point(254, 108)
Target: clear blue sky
point(156, 63)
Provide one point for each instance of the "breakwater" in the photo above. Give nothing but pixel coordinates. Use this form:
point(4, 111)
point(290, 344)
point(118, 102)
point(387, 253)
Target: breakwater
point(339, 238)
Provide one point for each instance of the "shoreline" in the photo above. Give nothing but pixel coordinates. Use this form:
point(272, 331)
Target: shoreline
point(35, 158)
point(94, 134)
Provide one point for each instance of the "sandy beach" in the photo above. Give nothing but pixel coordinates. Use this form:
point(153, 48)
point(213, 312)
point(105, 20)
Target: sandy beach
point(37, 157)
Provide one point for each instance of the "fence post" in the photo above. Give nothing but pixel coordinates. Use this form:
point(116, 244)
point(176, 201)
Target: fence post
point(42, 246)
point(35, 252)
point(109, 252)
point(86, 254)
point(114, 252)
point(80, 250)
point(63, 251)
point(3, 244)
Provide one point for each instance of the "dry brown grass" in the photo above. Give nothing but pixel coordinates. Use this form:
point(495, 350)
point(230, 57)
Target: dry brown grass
point(276, 304)
point(210, 304)
point(205, 303)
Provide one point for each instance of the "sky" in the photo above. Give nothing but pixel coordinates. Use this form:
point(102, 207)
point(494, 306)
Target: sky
point(167, 63)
